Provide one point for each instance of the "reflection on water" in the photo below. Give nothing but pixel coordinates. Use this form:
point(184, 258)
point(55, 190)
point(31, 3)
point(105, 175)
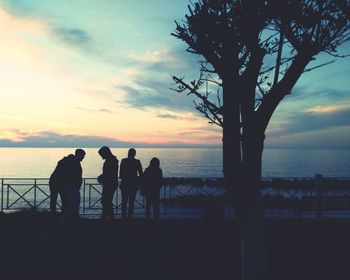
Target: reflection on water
point(40, 162)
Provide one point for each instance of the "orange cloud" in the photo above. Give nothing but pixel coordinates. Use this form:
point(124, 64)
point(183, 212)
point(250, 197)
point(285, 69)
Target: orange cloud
point(328, 108)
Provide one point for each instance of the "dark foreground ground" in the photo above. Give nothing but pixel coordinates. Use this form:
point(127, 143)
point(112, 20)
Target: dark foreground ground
point(37, 248)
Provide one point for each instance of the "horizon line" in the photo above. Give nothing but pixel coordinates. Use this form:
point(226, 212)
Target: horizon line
point(175, 147)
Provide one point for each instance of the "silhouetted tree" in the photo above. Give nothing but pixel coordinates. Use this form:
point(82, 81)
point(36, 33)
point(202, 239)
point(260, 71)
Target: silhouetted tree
point(251, 54)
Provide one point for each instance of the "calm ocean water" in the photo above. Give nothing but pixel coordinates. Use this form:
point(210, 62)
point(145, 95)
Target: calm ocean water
point(178, 162)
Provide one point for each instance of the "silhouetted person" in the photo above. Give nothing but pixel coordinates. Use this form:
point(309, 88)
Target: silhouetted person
point(57, 182)
point(71, 179)
point(152, 182)
point(130, 173)
point(109, 181)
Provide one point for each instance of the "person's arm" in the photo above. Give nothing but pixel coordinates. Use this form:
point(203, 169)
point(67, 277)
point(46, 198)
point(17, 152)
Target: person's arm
point(121, 171)
point(77, 175)
point(117, 170)
point(139, 169)
point(80, 175)
point(107, 169)
point(102, 178)
point(110, 171)
point(161, 179)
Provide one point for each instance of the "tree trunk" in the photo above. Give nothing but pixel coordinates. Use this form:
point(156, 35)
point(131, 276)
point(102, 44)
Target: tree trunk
point(231, 140)
point(243, 183)
point(251, 213)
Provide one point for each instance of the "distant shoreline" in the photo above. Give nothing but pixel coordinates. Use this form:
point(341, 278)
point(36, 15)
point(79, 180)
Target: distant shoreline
point(168, 147)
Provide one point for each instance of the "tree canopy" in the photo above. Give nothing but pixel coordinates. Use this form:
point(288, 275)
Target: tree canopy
point(263, 46)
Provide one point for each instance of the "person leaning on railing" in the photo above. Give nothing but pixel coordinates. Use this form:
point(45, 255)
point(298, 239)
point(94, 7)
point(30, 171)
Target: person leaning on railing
point(66, 181)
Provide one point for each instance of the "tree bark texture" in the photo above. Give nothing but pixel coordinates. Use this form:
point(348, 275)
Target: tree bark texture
point(242, 156)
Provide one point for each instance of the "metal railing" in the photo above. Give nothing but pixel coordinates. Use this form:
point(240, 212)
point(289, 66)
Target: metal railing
point(191, 196)
point(34, 193)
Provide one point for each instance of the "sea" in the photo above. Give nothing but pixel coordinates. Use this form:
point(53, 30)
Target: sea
point(179, 162)
point(18, 194)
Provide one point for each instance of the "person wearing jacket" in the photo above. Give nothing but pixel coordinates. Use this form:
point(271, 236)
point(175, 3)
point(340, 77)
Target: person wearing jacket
point(56, 184)
point(152, 183)
point(130, 173)
point(109, 181)
point(66, 181)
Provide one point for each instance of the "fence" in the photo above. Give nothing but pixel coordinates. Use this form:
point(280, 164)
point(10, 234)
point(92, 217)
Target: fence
point(315, 196)
point(23, 193)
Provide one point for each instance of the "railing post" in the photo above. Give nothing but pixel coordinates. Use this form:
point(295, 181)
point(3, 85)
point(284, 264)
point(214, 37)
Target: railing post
point(318, 187)
point(2, 195)
point(8, 196)
point(164, 197)
point(84, 183)
point(34, 193)
point(89, 196)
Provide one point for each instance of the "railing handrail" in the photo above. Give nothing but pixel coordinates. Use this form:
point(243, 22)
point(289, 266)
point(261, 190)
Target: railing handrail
point(193, 178)
point(173, 186)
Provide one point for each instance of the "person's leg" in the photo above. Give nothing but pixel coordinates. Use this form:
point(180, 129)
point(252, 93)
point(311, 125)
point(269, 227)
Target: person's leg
point(124, 203)
point(156, 208)
point(109, 202)
point(148, 207)
point(64, 202)
point(132, 195)
point(75, 203)
point(78, 203)
point(53, 197)
point(103, 202)
point(68, 213)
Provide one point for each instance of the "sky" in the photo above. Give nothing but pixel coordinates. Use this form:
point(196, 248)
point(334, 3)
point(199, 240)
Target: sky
point(87, 73)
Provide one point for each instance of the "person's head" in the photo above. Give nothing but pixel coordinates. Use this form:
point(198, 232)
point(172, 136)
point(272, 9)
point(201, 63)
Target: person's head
point(105, 152)
point(80, 154)
point(131, 153)
point(154, 162)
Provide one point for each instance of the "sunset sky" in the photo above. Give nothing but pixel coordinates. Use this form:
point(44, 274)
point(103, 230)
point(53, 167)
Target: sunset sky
point(89, 73)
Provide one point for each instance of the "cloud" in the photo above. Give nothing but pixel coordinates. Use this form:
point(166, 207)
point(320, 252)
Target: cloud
point(328, 109)
point(209, 128)
point(209, 132)
point(328, 138)
point(187, 116)
point(101, 110)
point(185, 133)
point(150, 80)
point(320, 94)
point(312, 120)
point(164, 61)
point(316, 127)
point(105, 111)
point(153, 90)
point(155, 94)
point(73, 36)
point(309, 117)
point(53, 139)
point(20, 7)
point(167, 116)
point(146, 97)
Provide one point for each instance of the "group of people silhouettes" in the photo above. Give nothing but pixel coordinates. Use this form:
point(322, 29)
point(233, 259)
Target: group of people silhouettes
point(66, 181)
